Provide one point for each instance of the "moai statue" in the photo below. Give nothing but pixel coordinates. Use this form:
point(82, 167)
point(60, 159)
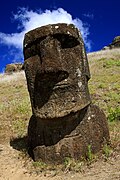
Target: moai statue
point(64, 122)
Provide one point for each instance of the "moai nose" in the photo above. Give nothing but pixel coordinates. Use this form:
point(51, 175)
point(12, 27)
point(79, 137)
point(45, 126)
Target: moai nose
point(50, 55)
point(52, 64)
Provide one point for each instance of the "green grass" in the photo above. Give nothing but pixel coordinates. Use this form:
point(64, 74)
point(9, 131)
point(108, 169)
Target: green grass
point(114, 114)
point(104, 83)
point(89, 154)
point(104, 86)
point(107, 151)
point(109, 63)
point(15, 105)
point(71, 164)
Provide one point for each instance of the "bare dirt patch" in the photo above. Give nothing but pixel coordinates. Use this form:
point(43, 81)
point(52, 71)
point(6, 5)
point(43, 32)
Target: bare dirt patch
point(15, 111)
point(14, 167)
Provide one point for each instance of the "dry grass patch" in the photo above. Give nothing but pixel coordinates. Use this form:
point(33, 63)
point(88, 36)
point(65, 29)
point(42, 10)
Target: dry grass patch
point(108, 54)
point(15, 108)
point(105, 88)
point(105, 78)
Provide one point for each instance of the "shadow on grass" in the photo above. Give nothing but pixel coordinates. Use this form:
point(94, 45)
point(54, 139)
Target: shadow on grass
point(19, 144)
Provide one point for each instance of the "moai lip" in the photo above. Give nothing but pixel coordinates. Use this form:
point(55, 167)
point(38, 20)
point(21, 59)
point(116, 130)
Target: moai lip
point(57, 73)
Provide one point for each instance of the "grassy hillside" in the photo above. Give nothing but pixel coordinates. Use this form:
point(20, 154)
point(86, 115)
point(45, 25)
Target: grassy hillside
point(104, 88)
point(15, 110)
point(105, 79)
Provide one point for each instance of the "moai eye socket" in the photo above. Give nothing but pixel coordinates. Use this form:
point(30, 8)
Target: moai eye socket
point(32, 48)
point(66, 40)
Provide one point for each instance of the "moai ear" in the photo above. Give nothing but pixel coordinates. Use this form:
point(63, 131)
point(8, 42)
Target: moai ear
point(86, 65)
point(84, 56)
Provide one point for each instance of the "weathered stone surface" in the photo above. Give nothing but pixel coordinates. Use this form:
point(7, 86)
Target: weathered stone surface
point(69, 136)
point(57, 75)
point(15, 67)
point(64, 122)
point(115, 44)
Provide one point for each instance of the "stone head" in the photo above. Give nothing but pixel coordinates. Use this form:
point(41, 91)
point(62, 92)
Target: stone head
point(57, 71)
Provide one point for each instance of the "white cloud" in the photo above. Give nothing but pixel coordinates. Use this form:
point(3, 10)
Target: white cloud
point(29, 19)
point(14, 39)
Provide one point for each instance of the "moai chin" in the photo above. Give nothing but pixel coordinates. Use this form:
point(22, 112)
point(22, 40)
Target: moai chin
point(64, 122)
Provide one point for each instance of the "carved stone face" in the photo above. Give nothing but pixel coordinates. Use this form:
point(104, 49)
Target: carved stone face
point(57, 70)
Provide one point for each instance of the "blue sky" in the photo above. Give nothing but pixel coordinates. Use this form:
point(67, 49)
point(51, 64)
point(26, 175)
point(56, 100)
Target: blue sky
point(99, 22)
